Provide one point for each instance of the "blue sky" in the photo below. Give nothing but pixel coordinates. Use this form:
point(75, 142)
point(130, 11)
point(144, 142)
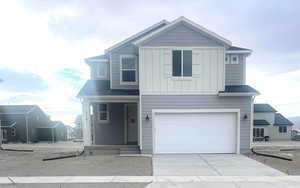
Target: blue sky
point(43, 44)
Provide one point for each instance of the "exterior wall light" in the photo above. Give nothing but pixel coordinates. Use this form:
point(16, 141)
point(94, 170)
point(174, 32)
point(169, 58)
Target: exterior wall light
point(147, 117)
point(245, 116)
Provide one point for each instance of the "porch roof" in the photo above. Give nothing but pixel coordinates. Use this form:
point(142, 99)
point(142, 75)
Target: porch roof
point(102, 87)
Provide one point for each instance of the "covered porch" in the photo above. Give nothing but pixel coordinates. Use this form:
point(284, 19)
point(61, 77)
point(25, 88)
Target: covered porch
point(110, 119)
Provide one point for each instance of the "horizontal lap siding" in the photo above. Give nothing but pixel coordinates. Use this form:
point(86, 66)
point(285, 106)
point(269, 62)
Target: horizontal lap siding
point(234, 73)
point(128, 49)
point(150, 102)
point(113, 131)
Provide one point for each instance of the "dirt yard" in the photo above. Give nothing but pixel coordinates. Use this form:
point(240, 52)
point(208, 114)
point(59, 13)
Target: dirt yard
point(30, 163)
point(289, 167)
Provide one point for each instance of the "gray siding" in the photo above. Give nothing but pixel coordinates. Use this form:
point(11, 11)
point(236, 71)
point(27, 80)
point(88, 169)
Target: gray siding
point(151, 102)
point(128, 49)
point(181, 35)
point(235, 73)
point(112, 132)
point(94, 69)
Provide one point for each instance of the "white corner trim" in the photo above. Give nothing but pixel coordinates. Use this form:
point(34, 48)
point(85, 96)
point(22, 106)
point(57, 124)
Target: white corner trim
point(178, 20)
point(180, 111)
point(238, 94)
point(136, 35)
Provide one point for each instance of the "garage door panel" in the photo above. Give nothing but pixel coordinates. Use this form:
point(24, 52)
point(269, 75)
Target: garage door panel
point(195, 133)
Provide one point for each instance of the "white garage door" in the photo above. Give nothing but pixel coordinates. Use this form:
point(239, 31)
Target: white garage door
point(195, 133)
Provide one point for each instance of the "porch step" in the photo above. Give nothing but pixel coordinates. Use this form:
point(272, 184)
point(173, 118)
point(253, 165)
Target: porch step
point(111, 149)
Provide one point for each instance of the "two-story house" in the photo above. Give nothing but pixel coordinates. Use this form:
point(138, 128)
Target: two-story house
point(175, 87)
point(269, 123)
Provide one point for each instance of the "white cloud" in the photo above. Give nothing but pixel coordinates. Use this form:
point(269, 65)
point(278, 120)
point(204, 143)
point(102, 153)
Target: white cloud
point(280, 90)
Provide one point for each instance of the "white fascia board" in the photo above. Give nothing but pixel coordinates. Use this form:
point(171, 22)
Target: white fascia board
point(178, 20)
point(237, 94)
point(238, 51)
point(136, 35)
point(89, 61)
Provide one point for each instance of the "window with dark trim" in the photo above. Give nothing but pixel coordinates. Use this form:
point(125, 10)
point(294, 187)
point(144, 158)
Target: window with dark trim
point(13, 131)
point(258, 132)
point(282, 129)
point(182, 63)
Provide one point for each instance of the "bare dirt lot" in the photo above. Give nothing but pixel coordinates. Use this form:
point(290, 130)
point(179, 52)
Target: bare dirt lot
point(289, 167)
point(14, 163)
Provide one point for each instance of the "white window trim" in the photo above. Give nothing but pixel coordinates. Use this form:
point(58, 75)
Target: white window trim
point(121, 70)
point(98, 71)
point(107, 112)
point(182, 77)
point(237, 59)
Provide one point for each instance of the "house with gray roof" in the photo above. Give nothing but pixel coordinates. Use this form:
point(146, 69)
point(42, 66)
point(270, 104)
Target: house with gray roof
point(21, 123)
point(174, 87)
point(269, 123)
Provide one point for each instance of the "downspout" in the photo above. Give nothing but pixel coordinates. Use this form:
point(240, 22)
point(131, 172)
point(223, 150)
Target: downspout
point(27, 132)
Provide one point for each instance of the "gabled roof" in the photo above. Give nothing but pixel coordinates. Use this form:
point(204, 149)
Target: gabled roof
point(260, 122)
point(263, 108)
point(16, 109)
point(281, 120)
point(102, 87)
point(187, 21)
point(239, 90)
point(161, 23)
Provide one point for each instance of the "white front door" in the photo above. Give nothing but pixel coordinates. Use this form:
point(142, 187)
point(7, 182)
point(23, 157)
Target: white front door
point(195, 133)
point(131, 122)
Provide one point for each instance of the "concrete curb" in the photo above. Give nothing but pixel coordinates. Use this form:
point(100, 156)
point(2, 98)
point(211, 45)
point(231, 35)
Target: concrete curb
point(144, 179)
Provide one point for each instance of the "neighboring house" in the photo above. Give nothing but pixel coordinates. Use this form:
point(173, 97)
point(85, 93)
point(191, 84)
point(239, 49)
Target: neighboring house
point(175, 87)
point(268, 122)
point(53, 133)
point(20, 123)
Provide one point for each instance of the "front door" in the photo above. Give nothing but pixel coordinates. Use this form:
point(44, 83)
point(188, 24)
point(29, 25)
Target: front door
point(131, 122)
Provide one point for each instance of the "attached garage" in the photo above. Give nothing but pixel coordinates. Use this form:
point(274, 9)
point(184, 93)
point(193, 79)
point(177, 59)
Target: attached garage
point(196, 131)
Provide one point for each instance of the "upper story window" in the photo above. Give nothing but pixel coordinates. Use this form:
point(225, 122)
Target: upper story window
point(227, 59)
point(103, 113)
point(282, 129)
point(234, 59)
point(128, 69)
point(182, 63)
point(102, 70)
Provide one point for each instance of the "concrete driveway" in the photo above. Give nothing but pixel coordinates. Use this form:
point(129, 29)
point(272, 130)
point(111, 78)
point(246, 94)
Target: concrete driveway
point(210, 165)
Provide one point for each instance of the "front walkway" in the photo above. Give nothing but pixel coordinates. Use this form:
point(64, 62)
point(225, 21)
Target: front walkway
point(210, 165)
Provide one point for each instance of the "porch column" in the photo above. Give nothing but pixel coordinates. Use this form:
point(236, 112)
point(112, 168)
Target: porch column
point(86, 123)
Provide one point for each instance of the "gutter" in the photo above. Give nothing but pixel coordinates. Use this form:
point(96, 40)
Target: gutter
point(238, 94)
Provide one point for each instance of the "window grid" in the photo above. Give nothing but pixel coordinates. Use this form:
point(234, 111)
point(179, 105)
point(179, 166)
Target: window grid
point(128, 69)
point(102, 112)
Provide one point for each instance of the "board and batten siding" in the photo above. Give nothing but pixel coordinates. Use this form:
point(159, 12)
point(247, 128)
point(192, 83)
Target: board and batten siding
point(150, 102)
point(156, 71)
point(235, 74)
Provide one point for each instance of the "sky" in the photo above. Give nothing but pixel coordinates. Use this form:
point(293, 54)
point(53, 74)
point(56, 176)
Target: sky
point(43, 45)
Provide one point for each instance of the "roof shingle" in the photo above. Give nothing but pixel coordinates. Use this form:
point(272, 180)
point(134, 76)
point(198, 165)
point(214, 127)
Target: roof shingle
point(263, 108)
point(260, 122)
point(281, 120)
point(102, 87)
